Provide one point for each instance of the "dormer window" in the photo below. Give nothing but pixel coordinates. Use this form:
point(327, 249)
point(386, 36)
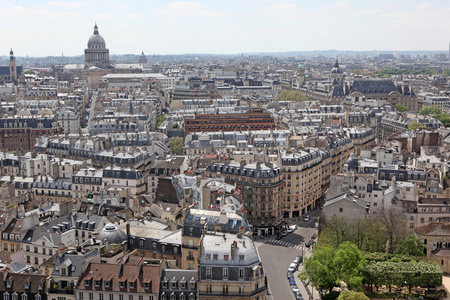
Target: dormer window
point(164, 283)
point(146, 285)
point(97, 283)
point(131, 284)
point(122, 283)
point(9, 284)
point(87, 282)
point(107, 283)
point(27, 285)
point(40, 286)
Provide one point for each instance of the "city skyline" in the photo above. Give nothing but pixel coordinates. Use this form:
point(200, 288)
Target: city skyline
point(53, 28)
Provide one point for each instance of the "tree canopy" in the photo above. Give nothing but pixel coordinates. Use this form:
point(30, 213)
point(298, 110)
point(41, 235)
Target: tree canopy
point(291, 96)
point(176, 145)
point(414, 126)
point(327, 267)
point(401, 108)
point(160, 120)
point(430, 111)
point(349, 295)
point(412, 245)
point(444, 118)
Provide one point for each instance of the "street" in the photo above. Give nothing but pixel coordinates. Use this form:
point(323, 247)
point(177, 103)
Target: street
point(277, 255)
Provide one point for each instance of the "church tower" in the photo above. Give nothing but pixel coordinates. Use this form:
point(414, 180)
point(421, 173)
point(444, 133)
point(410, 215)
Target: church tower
point(12, 67)
point(300, 76)
point(337, 75)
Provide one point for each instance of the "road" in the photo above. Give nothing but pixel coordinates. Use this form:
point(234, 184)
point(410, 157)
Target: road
point(277, 255)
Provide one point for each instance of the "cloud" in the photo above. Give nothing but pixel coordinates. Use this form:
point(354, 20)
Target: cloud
point(104, 16)
point(341, 4)
point(135, 16)
point(71, 5)
point(186, 9)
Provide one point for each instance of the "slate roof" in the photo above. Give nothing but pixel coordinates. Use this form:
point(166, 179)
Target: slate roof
point(18, 283)
point(74, 262)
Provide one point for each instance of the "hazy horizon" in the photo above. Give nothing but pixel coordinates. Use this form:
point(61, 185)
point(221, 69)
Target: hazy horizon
point(52, 28)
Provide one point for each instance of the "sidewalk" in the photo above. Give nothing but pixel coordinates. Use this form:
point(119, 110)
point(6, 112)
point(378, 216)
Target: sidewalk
point(308, 292)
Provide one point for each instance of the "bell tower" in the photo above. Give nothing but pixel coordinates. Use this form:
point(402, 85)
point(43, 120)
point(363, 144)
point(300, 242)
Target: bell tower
point(12, 67)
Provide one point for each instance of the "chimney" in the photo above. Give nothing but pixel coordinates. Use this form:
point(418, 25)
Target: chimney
point(128, 228)
point(233, 249)
point(243, 163)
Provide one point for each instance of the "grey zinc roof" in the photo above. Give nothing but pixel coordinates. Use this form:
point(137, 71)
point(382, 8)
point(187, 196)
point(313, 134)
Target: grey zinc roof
point(245, 250)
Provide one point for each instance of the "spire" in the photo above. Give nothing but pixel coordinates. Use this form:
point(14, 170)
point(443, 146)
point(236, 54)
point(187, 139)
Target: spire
point(11, 52)
point(95, 28)
point(336, 65)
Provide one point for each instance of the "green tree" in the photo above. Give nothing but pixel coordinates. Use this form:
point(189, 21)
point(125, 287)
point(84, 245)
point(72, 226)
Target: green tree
point(401, 108)
point(350, 264)
point(160, 120)
point(176, 145)
point(291, 96)
point(320, 269)
point(349, 295)
point(430, 111)
point(412, 245)
point(414, 126)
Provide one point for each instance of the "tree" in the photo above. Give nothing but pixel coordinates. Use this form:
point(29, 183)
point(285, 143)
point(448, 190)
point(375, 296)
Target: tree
point(412, 245)
point(176, 145)
point(430, 111)
point(160, 120)
point(394, 228)
point(350, 264)
point(414, 126)
point(348, 295)
point(327, 267)
point(401, 108)
point(291, 96)
point(320, 269)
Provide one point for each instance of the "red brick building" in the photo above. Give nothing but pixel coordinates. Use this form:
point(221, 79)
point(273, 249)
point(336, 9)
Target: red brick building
point(21, 133)
point(253, 120)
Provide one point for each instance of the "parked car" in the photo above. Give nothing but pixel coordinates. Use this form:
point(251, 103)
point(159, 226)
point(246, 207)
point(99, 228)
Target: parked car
point(297, 260)
point(292, 267)
point(290, 274)
point(293, 227)
point(289, 230)
point(284, 233)
point(295, 289)
point(279, 236)
point(306, 218)
point(292, 281)
point(298, 296)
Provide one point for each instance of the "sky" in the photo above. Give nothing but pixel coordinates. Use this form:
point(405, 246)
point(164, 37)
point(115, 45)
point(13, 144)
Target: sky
point(53, 28)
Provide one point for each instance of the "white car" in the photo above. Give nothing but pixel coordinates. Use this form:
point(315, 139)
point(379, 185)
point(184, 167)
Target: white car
point(306, 218)
point(292, 267)
point(293, 227)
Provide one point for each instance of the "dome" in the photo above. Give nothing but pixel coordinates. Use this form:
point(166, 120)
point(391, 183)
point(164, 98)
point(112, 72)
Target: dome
point(352, 162)
point(11, 53)
point(301, 67)
point(96, 38)
point(112, 234)
point(336, 69)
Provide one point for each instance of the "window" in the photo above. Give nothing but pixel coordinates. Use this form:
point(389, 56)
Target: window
point(241, 273)
point(141, 297)
point(91, 296)
point(131, 285)
point(36, 261)
point(87, 282)
point(24, 296)
point(241, 289)
point(5, 296)
point(111, 296)
point(80, 296)
point(130, 297)
point(208, 273)
point(107, 282)
point(120, 297)
point(341, 209)
point(208, 289)
point(121, 284)
point(14, 296)
point(96, 283)
point(146, 285)
point(225, 289)
point(101, 296)
point(225, 273)
point(37, 297)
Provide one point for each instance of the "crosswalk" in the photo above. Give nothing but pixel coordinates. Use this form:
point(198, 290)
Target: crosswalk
point(285, 244)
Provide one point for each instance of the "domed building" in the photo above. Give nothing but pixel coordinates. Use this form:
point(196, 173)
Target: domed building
point(112, 235)
point(300, 75)
point(337, 74)
point(96, 53)
point(142, 59)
